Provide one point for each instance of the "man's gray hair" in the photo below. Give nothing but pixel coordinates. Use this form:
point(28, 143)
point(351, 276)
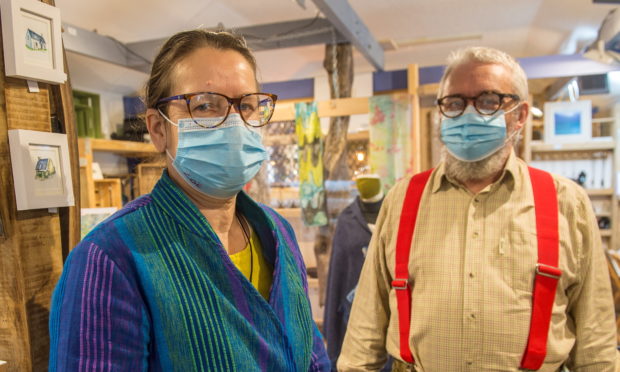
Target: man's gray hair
point(487, 55)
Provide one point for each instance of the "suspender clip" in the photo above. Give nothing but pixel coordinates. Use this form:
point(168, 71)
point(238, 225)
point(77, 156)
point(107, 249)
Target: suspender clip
point(548, 271)
point(400, 284)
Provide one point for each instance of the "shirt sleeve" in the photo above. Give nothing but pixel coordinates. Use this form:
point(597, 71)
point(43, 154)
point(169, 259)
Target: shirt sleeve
point(98, 320)
point(591, 303)
point(363, 348)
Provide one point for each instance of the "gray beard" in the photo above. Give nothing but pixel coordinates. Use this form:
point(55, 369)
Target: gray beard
point(465, 171)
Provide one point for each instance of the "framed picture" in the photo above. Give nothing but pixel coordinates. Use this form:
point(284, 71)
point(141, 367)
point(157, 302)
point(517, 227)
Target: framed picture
point(41, 169)
point(568, 122)
point(31, 32)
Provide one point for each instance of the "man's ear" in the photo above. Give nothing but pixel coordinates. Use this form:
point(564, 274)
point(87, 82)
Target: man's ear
point(522, 112)
point(156, 126)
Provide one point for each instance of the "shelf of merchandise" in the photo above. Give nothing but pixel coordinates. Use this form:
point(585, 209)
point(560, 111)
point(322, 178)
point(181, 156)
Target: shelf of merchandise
point(93, 191)
point(592, 149)
point(592, 146)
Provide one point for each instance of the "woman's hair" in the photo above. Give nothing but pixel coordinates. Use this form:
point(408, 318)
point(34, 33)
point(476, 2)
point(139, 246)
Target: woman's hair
point(487, 55)
point(179, 46)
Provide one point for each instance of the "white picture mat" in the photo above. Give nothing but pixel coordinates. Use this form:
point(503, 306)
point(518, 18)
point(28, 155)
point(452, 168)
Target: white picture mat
point(20, 61)
point(26, 147)
point(41, 26)
point(556, 132)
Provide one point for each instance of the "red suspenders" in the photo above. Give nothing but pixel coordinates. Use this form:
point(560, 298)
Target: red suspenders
point(547, 272)
point(403, 247)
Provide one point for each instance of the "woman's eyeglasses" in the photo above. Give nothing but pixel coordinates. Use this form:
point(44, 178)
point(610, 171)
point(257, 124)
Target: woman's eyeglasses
point(255, 109)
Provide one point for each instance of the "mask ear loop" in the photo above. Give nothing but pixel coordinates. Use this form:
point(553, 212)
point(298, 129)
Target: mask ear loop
point(171, 122)
point(167, 118)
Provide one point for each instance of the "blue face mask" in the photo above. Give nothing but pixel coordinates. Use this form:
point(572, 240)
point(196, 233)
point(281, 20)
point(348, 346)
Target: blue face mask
point(218, 161)
point(472, 137)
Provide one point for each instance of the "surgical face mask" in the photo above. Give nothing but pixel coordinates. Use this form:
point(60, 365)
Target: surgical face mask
point(473, 137)
point(218, 161)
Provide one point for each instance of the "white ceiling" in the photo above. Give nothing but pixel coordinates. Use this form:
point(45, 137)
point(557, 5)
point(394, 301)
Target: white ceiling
point(523, 28)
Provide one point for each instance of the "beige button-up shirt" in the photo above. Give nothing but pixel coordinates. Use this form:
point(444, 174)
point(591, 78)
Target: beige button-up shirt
point(472, 267)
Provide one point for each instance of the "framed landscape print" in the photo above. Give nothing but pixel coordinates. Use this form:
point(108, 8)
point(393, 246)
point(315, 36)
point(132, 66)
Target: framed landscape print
point(568, 122)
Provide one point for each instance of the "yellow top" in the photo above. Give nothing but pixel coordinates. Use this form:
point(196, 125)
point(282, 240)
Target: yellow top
point(262, 272)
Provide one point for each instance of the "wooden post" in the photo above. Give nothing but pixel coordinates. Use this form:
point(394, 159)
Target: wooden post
point(31, 247)
point(339, 65)
point(62, 100)
point(413, 83)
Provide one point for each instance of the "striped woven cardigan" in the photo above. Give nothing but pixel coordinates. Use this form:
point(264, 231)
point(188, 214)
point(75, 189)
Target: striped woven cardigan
point(152, 289)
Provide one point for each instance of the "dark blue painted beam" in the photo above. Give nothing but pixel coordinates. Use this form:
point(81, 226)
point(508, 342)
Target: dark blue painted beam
point(292, 89)
point(554, 66)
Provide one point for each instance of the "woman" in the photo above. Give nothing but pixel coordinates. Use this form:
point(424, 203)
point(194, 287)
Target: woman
point(195, 276)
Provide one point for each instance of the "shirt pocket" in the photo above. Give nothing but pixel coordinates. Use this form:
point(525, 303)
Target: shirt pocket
point(517, 256)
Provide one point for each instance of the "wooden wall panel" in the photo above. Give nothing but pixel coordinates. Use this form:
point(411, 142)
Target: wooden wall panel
point(31, 246)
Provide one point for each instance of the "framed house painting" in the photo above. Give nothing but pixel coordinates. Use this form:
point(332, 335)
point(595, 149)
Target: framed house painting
point(41, 169)
point(568, 122)
point(31, 33)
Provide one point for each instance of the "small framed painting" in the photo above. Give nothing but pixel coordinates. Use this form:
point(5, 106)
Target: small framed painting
point(568, 122)
point(41, 169)
point(31, 33)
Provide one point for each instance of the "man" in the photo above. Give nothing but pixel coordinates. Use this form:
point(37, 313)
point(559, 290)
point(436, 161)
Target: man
point(475, 253)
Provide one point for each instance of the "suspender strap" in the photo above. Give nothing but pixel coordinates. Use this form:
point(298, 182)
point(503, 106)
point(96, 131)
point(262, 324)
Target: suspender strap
point(403, 247)
point(547, 271)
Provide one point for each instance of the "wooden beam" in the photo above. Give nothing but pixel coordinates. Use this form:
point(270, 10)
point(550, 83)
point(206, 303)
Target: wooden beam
point(330, 108)
point(428, 89)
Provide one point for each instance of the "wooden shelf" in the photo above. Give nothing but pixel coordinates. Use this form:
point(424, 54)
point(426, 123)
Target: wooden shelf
point(361, 135)
point(600, 192)
point(539, 146)
point(127, 148)
point(106, 192)
point(602, 120)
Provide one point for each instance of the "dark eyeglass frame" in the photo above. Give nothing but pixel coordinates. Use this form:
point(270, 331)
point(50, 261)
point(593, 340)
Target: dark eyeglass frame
point(474, 99)
point(187, 97)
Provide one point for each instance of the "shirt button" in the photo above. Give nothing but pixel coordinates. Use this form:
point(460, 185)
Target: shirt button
point(476, 200)
point(471, 275)
point(475, 234)
point(473, 316)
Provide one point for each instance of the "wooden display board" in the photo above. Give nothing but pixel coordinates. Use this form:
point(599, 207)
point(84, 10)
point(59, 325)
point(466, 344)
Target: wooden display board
point(32, 248)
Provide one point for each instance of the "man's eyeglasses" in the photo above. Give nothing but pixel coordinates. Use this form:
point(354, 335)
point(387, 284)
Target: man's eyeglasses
point(486, 103)
point(255, 109)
